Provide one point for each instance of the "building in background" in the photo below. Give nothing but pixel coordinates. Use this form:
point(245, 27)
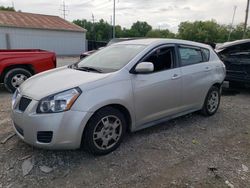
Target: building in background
point(20, 30)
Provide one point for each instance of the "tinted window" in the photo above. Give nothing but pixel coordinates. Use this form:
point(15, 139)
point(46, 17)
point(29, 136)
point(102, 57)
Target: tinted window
point(206, 54)
point(237, 48)
point(244, 53)
point(162, 58)
point(233, 49)
point(236, 54)
point(190, 56)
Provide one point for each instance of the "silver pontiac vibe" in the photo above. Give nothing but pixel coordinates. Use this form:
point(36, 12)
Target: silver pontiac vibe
point(127, 86)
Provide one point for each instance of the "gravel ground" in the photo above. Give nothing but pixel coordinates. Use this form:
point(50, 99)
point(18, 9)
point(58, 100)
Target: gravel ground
point(191, 151)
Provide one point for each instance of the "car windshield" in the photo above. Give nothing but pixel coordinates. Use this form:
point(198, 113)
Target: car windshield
point(111, 58)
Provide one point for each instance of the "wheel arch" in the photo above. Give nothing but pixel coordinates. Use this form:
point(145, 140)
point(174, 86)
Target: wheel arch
point(6, 69)
point(119, 107)
point(217, 84)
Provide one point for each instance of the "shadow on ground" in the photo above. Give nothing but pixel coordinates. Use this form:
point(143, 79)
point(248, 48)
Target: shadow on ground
point(3, 90)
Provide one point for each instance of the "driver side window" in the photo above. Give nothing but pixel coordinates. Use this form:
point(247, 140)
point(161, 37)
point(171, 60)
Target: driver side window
point(162, 58)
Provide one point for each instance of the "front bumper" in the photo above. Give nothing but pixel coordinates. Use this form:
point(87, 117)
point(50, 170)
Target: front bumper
point(66, 127)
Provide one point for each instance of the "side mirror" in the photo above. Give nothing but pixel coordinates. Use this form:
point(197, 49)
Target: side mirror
point(144, 67)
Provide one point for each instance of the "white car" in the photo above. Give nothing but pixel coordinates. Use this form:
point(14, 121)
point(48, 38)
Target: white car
point(126, 86)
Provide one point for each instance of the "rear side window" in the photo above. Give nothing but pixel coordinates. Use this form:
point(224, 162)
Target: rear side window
point(206, 54)
point(190, 56)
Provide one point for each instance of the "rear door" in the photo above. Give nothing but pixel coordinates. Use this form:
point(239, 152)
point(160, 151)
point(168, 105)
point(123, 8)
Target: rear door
point(196, 75)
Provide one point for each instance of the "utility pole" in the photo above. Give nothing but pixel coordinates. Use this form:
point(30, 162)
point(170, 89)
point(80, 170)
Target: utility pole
point(13, 5)
point(114, 20)
point(159, 26)
point(93, 30)
point(246, 19)
point(64, 10)
point(93, 18)
point(231, 27)
point(111, 28)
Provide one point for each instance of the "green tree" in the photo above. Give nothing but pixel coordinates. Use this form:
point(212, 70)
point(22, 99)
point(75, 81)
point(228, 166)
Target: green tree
point(140, 29)
point(99, 31)
point(7, 8)
point(156, 33)
point(237, 32)
point(118, 31)
point(86, 25)
point(203, 31)
point(102, 30)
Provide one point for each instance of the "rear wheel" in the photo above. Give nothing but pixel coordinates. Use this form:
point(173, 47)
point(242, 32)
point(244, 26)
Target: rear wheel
point(15, 77)
point(105, 131)
point(212, 102)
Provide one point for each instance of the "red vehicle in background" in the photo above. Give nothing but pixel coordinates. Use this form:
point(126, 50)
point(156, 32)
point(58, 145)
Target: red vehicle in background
point(18, 65)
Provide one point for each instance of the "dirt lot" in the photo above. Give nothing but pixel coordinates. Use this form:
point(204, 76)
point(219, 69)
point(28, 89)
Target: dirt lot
point(191, 151)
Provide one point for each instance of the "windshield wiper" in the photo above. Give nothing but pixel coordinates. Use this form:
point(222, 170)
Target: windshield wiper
point(73, 66)
point(89, 69)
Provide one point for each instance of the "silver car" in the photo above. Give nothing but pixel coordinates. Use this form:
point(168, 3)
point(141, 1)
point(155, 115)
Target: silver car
point(127, 86)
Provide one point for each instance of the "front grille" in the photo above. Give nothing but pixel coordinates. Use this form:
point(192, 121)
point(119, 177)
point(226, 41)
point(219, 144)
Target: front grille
point(19, 130)
point(24, 103)
point(44, 136)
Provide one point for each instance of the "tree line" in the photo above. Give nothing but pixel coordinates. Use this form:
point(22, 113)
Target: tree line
point(199, 31)
point(7, 8)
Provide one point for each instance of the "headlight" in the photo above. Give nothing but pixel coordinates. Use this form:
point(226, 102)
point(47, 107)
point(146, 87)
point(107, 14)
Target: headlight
point(58, 102)
point(14, 97)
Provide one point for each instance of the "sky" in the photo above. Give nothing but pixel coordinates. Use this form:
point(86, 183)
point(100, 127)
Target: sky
point(158, 13)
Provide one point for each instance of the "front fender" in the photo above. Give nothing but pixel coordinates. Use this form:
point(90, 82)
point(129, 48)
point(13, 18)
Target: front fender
point(120, 93)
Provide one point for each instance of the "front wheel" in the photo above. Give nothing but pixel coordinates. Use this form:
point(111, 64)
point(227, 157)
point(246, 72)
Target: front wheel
point(104, 132)
point(212, 102)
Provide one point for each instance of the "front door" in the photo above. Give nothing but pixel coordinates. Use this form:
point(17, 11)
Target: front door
point(158, 94)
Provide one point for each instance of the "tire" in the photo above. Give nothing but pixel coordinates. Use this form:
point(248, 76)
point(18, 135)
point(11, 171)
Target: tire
point(212, 102)
point(98, 139)
point(15, 77)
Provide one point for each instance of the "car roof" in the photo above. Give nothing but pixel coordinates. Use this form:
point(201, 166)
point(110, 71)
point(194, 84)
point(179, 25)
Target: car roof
point(237, 42)
point(158, 41)
point(116, 40)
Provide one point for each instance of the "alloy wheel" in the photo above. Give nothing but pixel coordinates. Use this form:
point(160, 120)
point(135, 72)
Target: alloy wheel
point(213, 101)
point(107, 132)
point(18, 79)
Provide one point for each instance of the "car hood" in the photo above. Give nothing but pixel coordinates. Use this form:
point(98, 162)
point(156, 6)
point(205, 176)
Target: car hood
point(57, 80)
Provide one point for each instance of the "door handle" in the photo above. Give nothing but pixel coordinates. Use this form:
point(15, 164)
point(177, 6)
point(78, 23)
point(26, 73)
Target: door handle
point(175, 76)
point(207, 69)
